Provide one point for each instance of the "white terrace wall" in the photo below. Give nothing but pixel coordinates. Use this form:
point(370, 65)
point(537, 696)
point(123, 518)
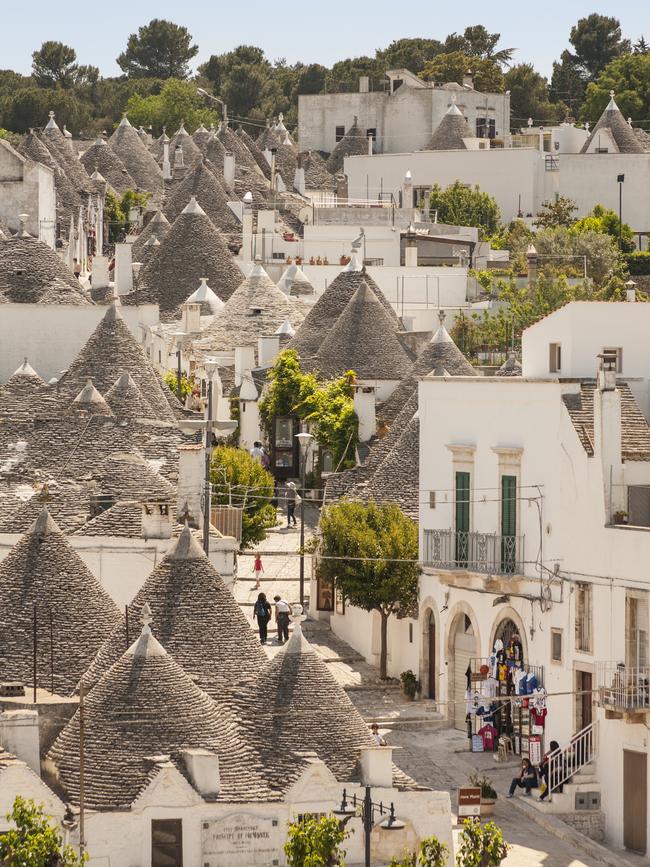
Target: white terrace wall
point(51, 335)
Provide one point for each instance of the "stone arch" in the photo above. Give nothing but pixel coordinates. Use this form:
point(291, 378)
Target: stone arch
point(429, 619)
point(462, 643)
point(509, 613)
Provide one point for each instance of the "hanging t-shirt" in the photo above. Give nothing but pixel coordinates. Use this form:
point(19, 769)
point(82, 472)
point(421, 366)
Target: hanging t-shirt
point(490, 687)
point(538, 716)
point(531, 683)
point(503, 672)
point(473, 701)
point(538, 698)
point(519, 679)
point(489, 735)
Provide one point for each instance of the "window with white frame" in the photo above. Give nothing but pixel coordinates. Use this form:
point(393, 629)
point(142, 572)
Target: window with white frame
point(556, 645)
point(555, 357)
point(584, 616)
point(617, 353)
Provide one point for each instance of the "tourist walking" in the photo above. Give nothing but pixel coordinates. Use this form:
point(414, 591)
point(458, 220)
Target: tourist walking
point(292, 497)
point(257, 452)
point(262, 613)
point(526, 780)
point(258, 568)
point(282, 611)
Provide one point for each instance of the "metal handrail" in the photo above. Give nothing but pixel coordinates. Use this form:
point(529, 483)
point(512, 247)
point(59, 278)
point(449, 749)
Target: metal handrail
point(565, 763)
point(488, 553)
point(622, 686)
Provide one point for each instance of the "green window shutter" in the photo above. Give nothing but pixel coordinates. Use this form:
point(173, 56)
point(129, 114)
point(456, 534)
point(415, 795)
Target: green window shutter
point(508, 505)
point(462, 502)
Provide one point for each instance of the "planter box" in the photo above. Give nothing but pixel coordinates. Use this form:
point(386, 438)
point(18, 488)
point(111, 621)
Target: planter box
point(487, 806)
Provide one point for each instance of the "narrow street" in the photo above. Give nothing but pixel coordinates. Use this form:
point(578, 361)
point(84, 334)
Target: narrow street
point(425, 748)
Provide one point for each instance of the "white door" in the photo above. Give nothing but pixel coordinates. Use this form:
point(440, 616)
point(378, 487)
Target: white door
point(464, 651)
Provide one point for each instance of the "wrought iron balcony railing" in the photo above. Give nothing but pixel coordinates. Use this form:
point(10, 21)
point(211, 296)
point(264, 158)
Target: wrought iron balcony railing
point(623, 687)
point(488, 553)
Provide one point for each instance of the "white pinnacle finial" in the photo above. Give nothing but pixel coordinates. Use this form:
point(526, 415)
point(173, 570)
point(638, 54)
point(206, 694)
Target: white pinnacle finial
point(146, 618)
point(611, 94)
point(297, 617)
point(442, 316)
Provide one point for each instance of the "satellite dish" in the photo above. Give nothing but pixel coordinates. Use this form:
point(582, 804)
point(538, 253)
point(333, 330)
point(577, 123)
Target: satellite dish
point(304, 214)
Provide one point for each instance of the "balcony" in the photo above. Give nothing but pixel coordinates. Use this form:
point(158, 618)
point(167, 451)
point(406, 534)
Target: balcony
point(487, 553)
point(623, 688)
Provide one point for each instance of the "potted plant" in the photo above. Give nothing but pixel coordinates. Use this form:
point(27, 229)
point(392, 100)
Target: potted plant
point(298, 260)
point(488, 793)
point(410, 684)
point(620, 517)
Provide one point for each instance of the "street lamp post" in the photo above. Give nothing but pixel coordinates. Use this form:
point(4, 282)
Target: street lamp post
point(210, 365)
point(620, 180)
point(305, 440)
point(202, 92)
point(366, 810)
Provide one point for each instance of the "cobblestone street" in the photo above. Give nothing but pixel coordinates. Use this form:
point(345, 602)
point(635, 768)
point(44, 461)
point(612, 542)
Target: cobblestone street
point(425, 748)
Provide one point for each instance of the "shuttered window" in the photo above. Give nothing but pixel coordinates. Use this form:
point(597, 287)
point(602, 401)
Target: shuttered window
point(508, 523)
point(462, 518)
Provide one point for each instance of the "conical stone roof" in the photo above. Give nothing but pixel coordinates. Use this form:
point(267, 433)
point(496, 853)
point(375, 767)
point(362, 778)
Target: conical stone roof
point(127, 476)
point(215, 152)
point(126, 400)
point(203, 184)
point(209, 300)
point(268, 138)
point(294, 281)
point(363, 339)
point(182, 139)
point(397, 479)
point(234, 145)
point(145, 708)
point(100, 156)
point(68, 199)
point(60, 148)
point(199, 621)
point(110, 351)
point(441, 353)
point(42, 570)
point(317, 175)
point(255, 308)
point(157, 147)
point(354, 143)
point(91, 401)
point(201, 137)
point(157, 227)
point(32, 273)
point(322, 316)
point(510, 367)
point(622, 133)
point(255, 152)
point(450, 132)
point(286, 162)
point(140, 164)
point(193, 248)
point(304, 709)
point(19, 393)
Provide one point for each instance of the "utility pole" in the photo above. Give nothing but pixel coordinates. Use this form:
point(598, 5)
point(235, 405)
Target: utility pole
point(82, 768)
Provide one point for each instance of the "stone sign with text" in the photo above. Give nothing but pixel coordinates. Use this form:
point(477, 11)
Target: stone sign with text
point(241, 839)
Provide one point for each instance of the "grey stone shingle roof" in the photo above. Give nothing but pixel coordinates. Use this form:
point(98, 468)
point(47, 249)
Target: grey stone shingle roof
point(66, 502)
point(635, 431)
point(354, 143)
point(32, 273)
point(510, 367)
point(68, 199)
point(182, 139)
point(440, 354)
point(192, 249)
point(255, 152)
point(317, 175)
point(126, 400)
point(622, 133)
point(268, 138)
point(102, 157)
point(202, 182)
point(201, 138)
point(138, 161)
point(124, 519)
point(397, 478)
point(286, 163)
point(90, 401)
point(232, 143)
point(147, 706)
point(257, 307)
point(157, 227)
point(110, 351)
point(18, 393)
point(43, 570)
point(60, 149)
point(322, 316)
point(199, 621)
point(363, 339)
point(450, 132)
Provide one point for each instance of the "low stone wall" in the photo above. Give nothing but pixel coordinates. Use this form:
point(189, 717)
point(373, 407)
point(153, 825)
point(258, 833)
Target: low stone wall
point(591, 823)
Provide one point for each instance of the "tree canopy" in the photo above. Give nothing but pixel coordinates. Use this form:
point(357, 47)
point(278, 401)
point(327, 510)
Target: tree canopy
point(315, 842)
point(160, 49)
point(370, 551)
point(34, 839)
point(239, 480)
point(177, 102)
point(629, 77)
point(460, 205)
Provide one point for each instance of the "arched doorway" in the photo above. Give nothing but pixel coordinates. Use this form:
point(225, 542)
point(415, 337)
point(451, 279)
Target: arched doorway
point(463, 648)
point(509, 625)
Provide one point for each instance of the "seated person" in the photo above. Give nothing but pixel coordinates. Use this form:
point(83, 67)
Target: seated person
point(527, 779)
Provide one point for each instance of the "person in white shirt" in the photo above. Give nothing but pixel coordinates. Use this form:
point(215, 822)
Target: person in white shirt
point(257, 452)
point(282, 611)
point(376, 737)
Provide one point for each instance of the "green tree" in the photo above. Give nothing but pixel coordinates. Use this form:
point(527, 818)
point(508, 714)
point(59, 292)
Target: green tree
point(607, 221)
point(568, 83)
point(476, 41)
point(29, 107)
point(177, 102)
point(481, 845)
point(370, 551)
point(529, 96)
point(454, 65)
point(316, 842)
point(629, 77)
point(116, 211)
point(597, 40)
point(411, 54)
point(568, 252)
point(344, 75)
point(171, 380)
point(239, 480)
point(54, 65)
point(432, 853)
point(558, 212)
point(459, 205)
point(160, 49)
point(34, 839)
point(218, 67)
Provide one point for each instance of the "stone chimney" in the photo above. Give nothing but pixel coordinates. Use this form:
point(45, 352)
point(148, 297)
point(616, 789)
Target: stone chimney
point(268, 348)
point(123, 269)
point(191, 465)
point(411, 248)
point(156, 521)
point(364, 84)
point(608, 434)
point(229, 169)
point(630, 291)
point(364, 406)
point(166, 165)
point(468, 80)
point(191, 318)
point(203, 770)
point(531, 259)
point(100, 272)
point(244, 360)
point(407, 190)
point(249, 413)
point(19, 735)
point(376, 767)
point(299, 179)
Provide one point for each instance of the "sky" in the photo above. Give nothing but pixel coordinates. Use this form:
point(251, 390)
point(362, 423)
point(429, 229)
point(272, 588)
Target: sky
point(322, 31)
